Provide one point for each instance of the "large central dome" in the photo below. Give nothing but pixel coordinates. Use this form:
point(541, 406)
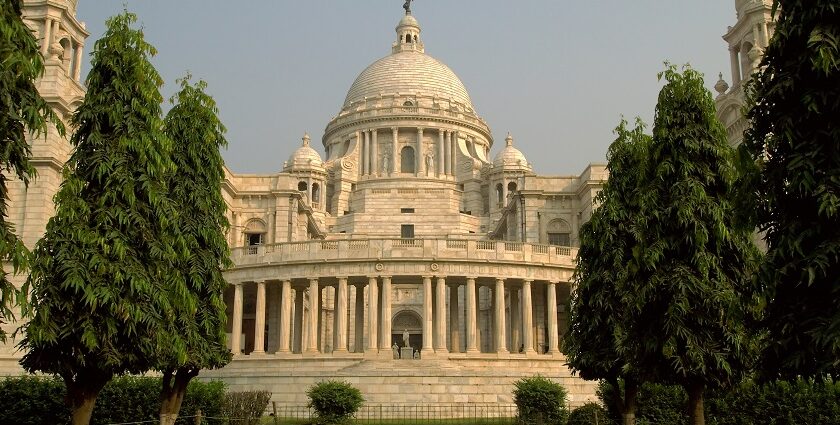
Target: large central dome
point(408, 72)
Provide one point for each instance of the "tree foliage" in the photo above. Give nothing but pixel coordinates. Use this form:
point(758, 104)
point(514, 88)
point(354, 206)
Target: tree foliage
point(695, 260)
point(24, 112)
point(192, 335)
point(793, 146)
point(599, 313)
point(100, 271)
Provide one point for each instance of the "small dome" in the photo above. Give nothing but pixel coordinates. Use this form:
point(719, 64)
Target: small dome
point(305, 156)
point(408, 21)
point(510, 156)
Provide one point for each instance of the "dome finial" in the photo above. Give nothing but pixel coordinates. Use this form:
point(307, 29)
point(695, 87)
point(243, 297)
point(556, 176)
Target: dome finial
point(306, 138)
point(509, 140)
point(407, 7)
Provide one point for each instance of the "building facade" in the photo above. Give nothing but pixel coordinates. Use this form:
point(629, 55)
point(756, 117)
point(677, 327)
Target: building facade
point(407, 260)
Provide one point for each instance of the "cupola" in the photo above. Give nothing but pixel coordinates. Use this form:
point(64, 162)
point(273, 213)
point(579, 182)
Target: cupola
point(305, 157)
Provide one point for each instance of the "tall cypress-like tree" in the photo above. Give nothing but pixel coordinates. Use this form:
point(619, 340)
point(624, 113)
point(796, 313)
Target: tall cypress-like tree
point(24, 112)
point(794, 143)
point(193, 334)
point(695, 260)
point(100, 272)
point(599, 313)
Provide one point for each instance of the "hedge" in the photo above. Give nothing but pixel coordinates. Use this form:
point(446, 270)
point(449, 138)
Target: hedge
point(30, 400)
point(800, 402)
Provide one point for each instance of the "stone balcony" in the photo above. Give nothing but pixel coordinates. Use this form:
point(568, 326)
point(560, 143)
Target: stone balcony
point(449, 250)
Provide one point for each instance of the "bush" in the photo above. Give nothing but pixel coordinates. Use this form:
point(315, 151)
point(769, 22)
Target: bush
point(245, 407)
point(29, 400)
point(40, 400)
point(334, 402)
point(540, 400)
point(588, 414)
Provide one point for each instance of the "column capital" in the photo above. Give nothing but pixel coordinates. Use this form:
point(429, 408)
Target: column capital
point(342, 278)
point(394, 128)
point(237, 282)
point(528, 281)
point(441, 131)
point(427, 277)
point(500, 279)
point(386, 277)
point(472, 278)
point(312, 279)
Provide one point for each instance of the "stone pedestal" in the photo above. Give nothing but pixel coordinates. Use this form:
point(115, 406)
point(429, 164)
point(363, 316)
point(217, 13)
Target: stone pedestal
point(406, 353)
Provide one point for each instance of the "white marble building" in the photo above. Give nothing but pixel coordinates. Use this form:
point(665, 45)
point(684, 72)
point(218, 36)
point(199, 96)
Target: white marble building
point(407, 226)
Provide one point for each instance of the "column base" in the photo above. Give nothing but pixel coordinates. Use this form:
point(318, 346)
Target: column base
point(257, 354)
point(428, 353)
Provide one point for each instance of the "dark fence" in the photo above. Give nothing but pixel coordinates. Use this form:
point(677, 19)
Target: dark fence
point(407, 414)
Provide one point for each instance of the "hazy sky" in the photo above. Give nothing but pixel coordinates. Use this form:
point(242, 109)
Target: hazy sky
point(557, 74)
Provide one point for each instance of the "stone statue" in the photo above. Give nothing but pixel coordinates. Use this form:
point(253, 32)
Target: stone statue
point(405, 338)
point(407, 7)
point(429, 162)
point(395, 349)
point(386, 163)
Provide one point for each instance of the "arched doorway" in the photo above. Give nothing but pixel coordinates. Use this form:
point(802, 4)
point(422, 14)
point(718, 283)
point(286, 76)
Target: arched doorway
point(407, 321)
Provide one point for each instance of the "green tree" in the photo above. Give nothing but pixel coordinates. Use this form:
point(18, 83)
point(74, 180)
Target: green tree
point(193, 334)
point(695, 260)
point(793, 146)
point(604, 264)
point(24, 112)
point(99, 273)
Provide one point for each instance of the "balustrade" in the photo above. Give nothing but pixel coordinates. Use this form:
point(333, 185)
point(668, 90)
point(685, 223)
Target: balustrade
point(440, 249)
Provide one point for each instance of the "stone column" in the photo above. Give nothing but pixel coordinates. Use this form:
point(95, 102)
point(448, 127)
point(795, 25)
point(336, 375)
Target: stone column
point(553, 346)
point(440, 319)
point(395, 134)
point(454, 321)
point(500, 316)
point(297, 347)
point(45, 44)
point(447, 153)
point(420, 157)
point(259, 320)
point(385, 337)
point(359, 320)
point(441, 160)
point(527, 318)
point(365, 152)
point(478, 336)
point(427, 316)
point(373, 314)
point(340, 343)
point(285, 317)
point(375, 167)
point(314, 315)
point(453, 152)
point(78, 61)
point(471, 318)
point(236, 329)
point(765, 34)
point(515, 321)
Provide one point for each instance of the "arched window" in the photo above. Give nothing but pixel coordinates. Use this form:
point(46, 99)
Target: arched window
point(415, 38)
point(254, 234)
point(500, 195)
point(316, 193)
point(408, 103)
point(302, 186)
point(407, 160)
point(559, 233)
point(511, 187)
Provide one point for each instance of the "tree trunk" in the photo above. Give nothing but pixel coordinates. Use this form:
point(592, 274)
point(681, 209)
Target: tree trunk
point(82, 390)
point(82, 411)
point(172, 393)
point(695, 404)
point(631, 390)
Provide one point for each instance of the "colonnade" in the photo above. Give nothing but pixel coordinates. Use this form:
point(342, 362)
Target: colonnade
point(375, 163)
point(74, 65)
point(741, 62)
point(441, 323)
